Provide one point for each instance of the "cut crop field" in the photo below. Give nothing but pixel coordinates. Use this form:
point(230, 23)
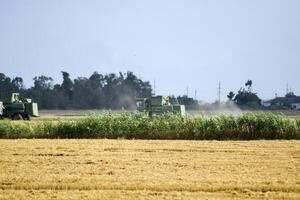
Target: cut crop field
point(149, 169)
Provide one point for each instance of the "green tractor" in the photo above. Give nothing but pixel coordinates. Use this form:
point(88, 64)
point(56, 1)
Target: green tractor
point(18, 108)
point(157, 105)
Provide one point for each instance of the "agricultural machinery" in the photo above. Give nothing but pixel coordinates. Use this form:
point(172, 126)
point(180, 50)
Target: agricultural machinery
point(158, 105)
point(18, 108)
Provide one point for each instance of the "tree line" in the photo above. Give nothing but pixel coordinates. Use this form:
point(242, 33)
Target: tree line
point(99, 91)
point(104, 91)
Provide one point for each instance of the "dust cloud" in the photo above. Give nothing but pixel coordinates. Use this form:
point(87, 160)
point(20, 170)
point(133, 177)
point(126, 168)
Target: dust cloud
point(215, 109)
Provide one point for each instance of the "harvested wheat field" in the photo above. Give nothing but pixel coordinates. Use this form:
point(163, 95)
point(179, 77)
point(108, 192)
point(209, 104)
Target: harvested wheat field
point(149, 169)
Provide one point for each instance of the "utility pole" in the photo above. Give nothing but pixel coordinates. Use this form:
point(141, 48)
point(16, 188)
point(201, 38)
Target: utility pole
point(219, 93)
point(154, 87)
point(287, 88)
point(187, 91)
point(195, 97)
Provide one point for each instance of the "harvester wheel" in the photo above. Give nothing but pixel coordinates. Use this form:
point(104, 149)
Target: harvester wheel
point(26, 117)
point(17, 117)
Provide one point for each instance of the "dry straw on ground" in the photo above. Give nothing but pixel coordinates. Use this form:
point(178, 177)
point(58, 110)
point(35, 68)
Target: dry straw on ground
point(135, 169)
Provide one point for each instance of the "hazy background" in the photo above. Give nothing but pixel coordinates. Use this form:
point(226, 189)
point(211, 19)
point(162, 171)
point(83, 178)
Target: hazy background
point(177, 43)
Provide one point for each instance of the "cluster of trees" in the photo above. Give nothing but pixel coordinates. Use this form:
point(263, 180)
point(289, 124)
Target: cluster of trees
point(190, 103)
point(8, 85)
point(99, 91)
point(245, 97)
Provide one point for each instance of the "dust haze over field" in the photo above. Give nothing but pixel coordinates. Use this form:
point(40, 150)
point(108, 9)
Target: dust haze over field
point(212, 110)
point(135, 169)
point(228, 108)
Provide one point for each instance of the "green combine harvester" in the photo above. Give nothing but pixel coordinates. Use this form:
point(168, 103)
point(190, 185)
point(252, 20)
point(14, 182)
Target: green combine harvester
point(18, 108)
point(157, 105)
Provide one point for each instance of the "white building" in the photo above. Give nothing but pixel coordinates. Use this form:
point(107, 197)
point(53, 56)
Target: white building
point(290, 101)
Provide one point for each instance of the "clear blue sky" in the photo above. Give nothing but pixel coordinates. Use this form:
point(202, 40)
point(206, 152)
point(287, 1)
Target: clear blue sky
point(178, 43)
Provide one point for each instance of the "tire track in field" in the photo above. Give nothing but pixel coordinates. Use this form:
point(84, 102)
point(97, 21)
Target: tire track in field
point(285, 188)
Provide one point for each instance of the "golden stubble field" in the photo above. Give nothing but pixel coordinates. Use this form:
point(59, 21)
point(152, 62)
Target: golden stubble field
point(149, 169)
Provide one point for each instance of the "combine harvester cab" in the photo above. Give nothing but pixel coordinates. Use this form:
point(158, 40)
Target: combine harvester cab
point(157, 105)
point(18, 108)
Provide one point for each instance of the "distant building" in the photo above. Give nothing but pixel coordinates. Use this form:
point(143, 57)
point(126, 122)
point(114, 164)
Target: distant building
point(290, 100)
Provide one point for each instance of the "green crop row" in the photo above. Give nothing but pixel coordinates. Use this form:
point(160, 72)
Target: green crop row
point(248, 126)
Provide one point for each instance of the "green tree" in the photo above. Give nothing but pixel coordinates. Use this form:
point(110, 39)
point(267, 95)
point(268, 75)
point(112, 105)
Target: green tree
point(42, 91)
point(190, 103)
point(249, 85)
point(245, 98)
point(67, 84)
point(17, 83)
point(231, 95)
point(248, 99)
point(43, 82)
point(6, 87)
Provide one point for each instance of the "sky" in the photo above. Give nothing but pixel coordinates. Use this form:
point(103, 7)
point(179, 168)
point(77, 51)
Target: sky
point(180, 44)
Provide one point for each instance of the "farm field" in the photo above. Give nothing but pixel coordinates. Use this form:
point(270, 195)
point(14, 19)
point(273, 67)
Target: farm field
point(149, 169)
point(71, 114)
